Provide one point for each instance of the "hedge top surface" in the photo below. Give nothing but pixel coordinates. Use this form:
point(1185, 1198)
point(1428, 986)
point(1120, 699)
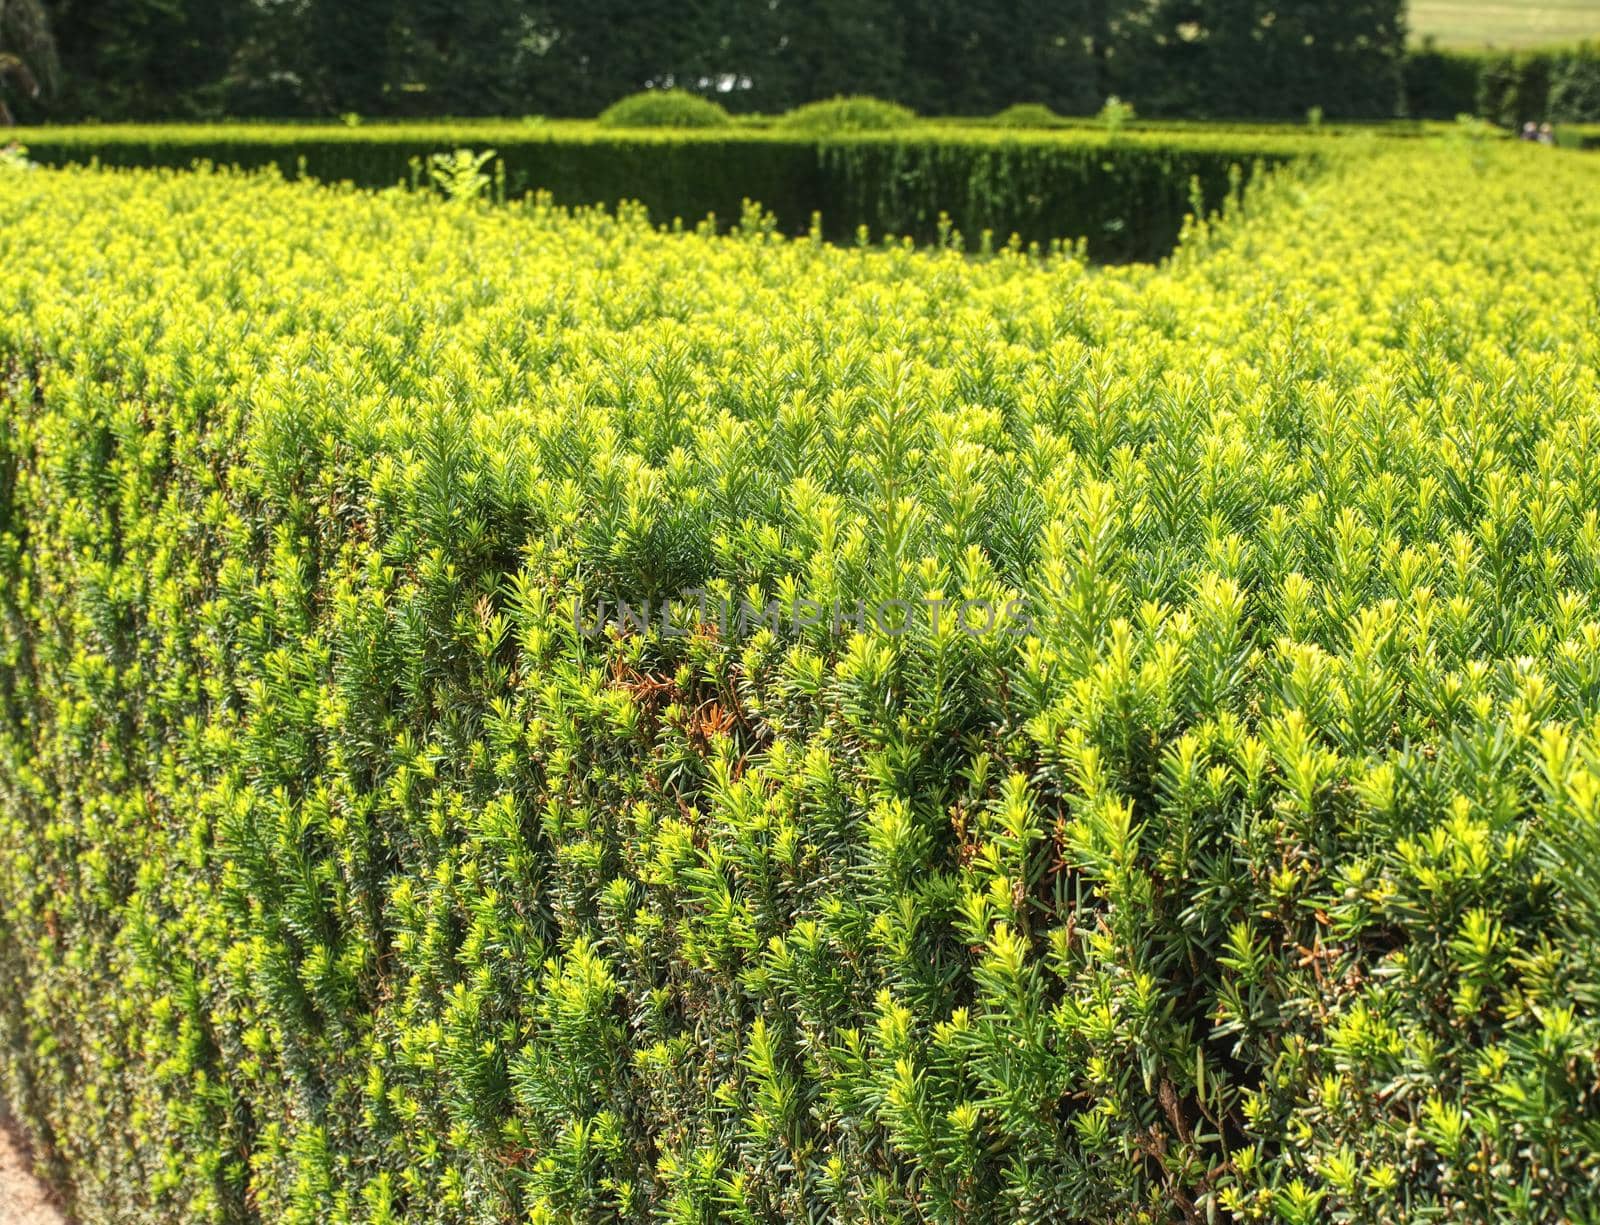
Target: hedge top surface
point(665, 108)
point(501, 134)
point(848, 114)
point(352, 879)
point(1029, 115)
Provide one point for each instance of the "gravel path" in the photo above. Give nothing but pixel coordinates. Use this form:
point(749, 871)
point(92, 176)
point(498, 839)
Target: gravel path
point(24, 1200)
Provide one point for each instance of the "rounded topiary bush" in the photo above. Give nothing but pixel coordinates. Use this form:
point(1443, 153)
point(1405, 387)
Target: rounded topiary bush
point(665, 108)
point(853, 114)
point(1029, 115)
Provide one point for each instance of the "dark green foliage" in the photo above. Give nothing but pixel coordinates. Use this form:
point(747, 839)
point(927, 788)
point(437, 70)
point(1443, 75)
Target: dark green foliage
point(413, 58)
point(583, 56)
point(1126, 195)
point(1575, 86)
point(1541, 86)
point(1442, 84)
point(973, 59)
point(664, 108)
point(144, 58)
point(1507, 88)
point(815, 49)
point(26, 35)
point(1236, 58)
point(1126, 207)
point(1515, 88)
point(28, 57)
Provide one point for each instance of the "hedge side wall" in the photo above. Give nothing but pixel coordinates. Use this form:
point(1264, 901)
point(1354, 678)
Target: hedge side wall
point(347, 878)
point(1560, 85)
point(1126, 194)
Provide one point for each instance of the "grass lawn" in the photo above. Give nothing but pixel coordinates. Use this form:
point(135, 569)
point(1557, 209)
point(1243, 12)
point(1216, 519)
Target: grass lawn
point(1502, 23)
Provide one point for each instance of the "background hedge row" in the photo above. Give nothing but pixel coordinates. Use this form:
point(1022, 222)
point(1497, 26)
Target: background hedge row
point(1509, 88)
point(1126, 194)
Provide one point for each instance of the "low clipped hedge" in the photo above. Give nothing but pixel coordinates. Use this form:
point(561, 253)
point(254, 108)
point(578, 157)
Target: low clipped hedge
point(363, 861)
point(1122, 206)
point(1441, 84)
point(1126, 196)
point(1579, 135)
point(1510, 88)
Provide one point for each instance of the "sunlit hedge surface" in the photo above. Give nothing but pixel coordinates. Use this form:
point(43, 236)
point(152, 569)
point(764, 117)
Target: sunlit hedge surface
point(1246, 869)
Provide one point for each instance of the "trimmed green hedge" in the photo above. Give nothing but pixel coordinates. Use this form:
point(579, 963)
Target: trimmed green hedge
point(1126, 195)
point(1126, 201)
point(1508, 88)
point(1169, 786)
point(1442, 84)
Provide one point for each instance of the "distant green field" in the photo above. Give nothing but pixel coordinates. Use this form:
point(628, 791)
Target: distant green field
point(1501, 23)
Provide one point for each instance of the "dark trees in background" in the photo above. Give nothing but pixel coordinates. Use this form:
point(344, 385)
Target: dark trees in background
point(27, 53)
point(192, 58)
point(1264, 57)
point(992, 55)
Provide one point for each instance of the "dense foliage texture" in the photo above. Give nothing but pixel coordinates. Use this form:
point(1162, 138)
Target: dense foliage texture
point(166, 59)
point(1541, 86)
point(343, 877)
point(1126, 194)
point(1508, 88)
